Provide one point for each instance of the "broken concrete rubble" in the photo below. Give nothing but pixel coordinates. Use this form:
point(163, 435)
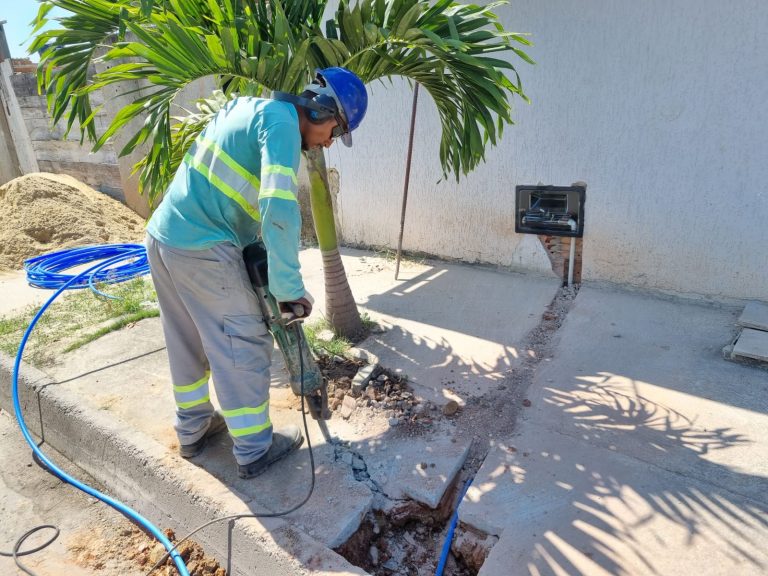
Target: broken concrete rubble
point(348, 406)
point(362, 378)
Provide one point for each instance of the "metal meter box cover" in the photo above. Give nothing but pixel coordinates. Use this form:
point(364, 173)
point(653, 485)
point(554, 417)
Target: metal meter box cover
point(550, 210)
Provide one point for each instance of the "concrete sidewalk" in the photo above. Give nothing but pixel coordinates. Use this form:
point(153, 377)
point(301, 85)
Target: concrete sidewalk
point(642, 452)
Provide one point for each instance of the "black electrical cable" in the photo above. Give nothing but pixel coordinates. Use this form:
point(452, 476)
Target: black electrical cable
point(16, 553)
point(298, 331)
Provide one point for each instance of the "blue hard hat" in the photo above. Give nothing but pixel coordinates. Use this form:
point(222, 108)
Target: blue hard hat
point(347, 91)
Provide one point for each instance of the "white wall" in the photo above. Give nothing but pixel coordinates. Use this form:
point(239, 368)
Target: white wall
point(661, 107)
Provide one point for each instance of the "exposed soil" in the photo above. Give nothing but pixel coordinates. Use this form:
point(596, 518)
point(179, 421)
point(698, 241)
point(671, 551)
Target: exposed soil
point(94, 539)
point(384, 392)
point(404, 537)
point(125, 549)
point(45, 212)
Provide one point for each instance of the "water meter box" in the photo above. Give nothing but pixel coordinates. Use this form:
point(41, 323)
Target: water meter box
point(550, 210)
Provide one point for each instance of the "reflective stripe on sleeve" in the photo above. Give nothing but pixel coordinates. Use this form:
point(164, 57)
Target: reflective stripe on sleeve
point(224, 173)
point(282, 170)
point(278, 182)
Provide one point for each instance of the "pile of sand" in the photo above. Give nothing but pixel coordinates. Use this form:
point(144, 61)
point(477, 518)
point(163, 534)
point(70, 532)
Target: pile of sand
point(44, 212)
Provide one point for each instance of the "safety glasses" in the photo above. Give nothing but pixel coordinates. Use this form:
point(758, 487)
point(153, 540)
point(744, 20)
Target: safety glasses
point(340, 129)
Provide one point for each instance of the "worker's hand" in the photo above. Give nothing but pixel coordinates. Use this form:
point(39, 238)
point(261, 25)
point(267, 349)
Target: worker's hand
point(297, 309)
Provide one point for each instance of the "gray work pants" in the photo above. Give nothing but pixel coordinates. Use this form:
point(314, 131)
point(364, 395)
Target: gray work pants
point(213, 326)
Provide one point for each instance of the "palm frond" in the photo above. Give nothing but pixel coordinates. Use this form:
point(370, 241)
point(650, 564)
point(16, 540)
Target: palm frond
point(445, 48)
point(231, 42)
point(460, 53)
point(67, 54)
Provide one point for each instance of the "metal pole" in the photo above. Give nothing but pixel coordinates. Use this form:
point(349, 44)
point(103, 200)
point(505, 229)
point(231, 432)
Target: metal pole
point(407, 179)
point(571, 261)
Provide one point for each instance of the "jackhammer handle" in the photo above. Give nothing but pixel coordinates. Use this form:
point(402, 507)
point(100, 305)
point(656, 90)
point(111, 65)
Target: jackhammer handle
point(296, 313)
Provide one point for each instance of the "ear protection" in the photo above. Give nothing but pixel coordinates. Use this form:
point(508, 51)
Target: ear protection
point(327, 109)
point(319, 109)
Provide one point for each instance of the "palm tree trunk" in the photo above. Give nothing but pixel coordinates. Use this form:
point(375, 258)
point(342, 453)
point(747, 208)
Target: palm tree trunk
point(340, 306)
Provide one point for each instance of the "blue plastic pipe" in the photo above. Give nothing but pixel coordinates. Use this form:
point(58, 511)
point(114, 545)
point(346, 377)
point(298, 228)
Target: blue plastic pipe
point(45, 274)
point(449, 537)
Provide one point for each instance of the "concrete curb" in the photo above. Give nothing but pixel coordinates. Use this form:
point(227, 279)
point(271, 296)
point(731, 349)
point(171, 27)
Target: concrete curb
point(138, 472)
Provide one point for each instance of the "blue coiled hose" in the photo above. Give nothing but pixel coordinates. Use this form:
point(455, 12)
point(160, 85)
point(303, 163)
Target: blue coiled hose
point(44, 272)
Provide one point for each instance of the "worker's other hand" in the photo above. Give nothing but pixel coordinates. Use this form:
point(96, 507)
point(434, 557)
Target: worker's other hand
point(300, 308)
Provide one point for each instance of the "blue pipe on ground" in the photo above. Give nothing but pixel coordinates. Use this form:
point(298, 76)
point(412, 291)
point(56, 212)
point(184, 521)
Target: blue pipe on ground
point(44, 272)
point(449, 536)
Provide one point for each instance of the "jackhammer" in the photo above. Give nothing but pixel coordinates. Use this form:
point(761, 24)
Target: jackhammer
point(287, 330)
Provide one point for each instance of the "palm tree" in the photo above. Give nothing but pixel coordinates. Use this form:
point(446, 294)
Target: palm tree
point(255, 46)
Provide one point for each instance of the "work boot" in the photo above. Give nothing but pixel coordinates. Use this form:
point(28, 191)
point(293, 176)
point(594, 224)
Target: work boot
point(283, 443)
point(216, 425)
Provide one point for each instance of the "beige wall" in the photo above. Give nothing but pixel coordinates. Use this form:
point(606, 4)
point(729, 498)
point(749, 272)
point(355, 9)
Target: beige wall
point(658, 106)
point(52, 151)
point(664, 124)
point(64, 155)
point(9, 163)
point(23, 155)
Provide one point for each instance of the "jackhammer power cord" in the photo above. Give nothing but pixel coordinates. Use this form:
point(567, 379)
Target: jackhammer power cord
point(44, 271)
point(15, 552)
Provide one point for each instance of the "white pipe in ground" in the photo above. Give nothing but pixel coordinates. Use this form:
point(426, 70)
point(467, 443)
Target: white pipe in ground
point(572, 256)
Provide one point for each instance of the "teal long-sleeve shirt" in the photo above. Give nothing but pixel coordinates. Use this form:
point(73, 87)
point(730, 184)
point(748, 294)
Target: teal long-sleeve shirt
point(238, 182)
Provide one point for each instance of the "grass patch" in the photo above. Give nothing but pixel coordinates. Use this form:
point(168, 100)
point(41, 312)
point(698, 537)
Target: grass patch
point(60, 329)
point(121, 323)
point(337, 345)
point(406, 257)
point(368, 324)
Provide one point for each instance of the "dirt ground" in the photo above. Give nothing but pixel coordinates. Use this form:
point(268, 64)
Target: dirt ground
point(93, 539)
point(45, 212)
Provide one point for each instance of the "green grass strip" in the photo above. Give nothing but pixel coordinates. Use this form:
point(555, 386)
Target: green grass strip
point(121, 323)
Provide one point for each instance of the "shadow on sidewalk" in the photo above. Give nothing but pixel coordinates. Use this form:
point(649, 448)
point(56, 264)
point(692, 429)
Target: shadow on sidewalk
point(631, 488)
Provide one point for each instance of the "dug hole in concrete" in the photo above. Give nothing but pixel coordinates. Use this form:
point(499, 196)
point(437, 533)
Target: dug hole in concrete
point(118, 430)
point(108, 408)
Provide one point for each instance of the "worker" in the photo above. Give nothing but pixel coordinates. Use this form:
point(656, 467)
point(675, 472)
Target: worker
point(236, 184)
